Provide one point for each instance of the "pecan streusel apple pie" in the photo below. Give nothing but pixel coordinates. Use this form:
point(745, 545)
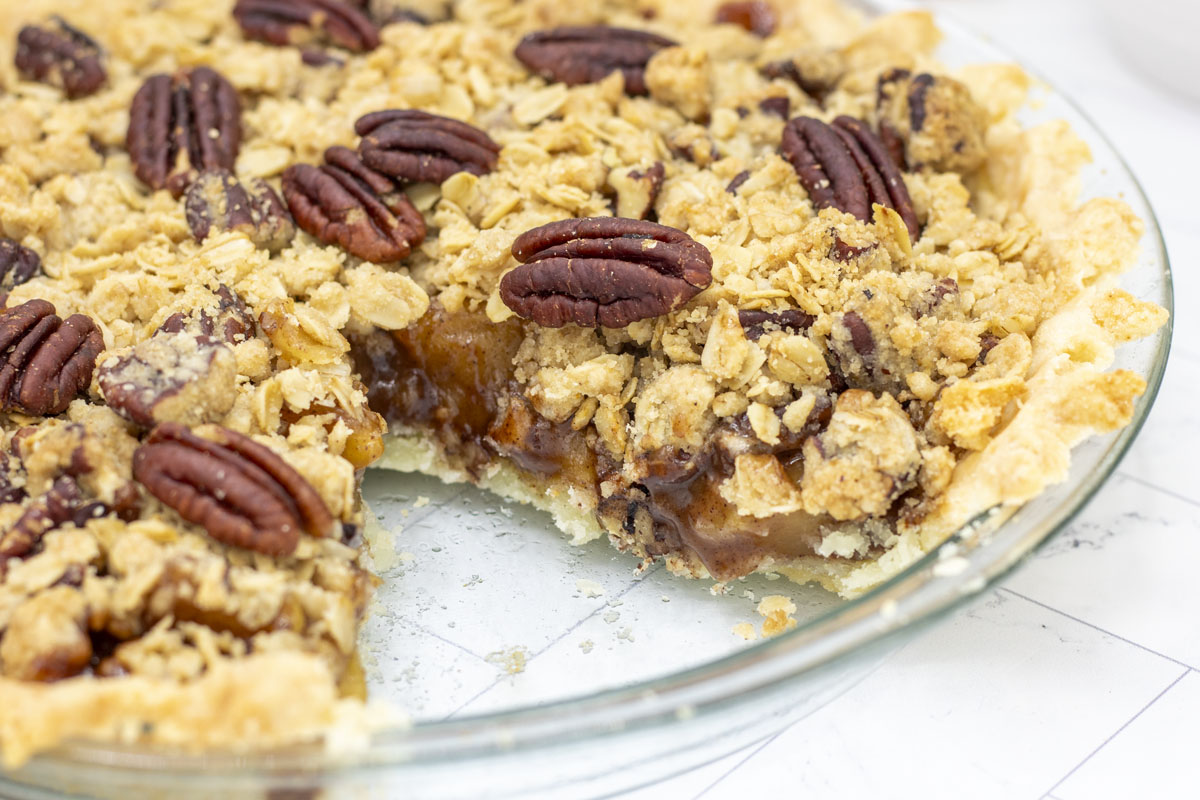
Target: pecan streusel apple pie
point(743, 286)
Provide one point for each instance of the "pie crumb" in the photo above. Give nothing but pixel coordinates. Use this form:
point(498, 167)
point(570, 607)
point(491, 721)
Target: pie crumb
point(746, 631)
point(512, 660)
point(777, 611)
point(589, 588)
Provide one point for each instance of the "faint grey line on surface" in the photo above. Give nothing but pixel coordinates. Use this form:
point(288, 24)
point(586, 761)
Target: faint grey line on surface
point(1158, 488)
point(1097, 628)
point(846, 690)
point(451, 642)
point(633, 585)
point(636, 582)
point(1116, 733)
point(753, 752)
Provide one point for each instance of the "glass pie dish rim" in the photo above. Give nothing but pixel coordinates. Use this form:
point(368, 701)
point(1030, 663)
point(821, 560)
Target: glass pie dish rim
point(920, 594)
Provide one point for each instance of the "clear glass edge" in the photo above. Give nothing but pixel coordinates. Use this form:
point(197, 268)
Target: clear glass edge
point(914, 597)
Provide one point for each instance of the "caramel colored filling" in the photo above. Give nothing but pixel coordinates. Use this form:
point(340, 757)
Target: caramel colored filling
point(450, 375)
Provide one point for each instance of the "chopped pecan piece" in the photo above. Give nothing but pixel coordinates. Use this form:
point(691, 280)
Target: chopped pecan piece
point(181, 125)
point(737, 181)
point(603, 271)
point(12, 489)
point(756, 16)
point(295, 22)
point(932, 120)
point(217, 200)
point(346, 203)
point(576, 56)
point(239, 491)
point(816, 71)
point(845, 253)
point(934, 297)
point(18, 264)
point(229, 320)
point(844, 165)
point(861, 337)
point(756, 323)
point(319, 58)
point(421, 12)
point(62, 504)
point(62, 56)
point(45, 361)
point(171, 378)
point(412, 145)
point(776, 106)
point(637, 189)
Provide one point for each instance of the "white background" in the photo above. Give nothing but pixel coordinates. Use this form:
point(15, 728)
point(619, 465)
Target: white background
point(1078, 677)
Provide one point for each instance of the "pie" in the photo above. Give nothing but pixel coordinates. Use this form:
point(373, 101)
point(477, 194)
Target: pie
point(743, 287)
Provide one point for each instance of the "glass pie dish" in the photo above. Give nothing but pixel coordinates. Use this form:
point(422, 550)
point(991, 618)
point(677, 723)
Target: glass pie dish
point(533, 669)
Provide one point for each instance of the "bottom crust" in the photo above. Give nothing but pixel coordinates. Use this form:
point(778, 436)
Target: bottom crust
point(574, 515)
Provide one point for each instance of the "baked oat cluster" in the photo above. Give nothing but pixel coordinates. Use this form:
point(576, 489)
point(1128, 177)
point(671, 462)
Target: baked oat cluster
point(744, 286)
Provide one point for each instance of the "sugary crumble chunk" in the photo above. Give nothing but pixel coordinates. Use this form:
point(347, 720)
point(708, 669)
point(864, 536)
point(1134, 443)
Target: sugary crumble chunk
point(867, 457)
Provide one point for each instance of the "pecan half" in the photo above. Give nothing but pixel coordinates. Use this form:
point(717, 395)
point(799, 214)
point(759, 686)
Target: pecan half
point(576, 56)
point(239, 491)
point(893, 142)
point(844, 165)
point(295, 22)
point(228, 320)
point(171, 378)
point(412, 145)
point(181, 125)
point(45, 361)
point(348, 204)
point(62, 56)
point(603, 271)
point(217, 200)
point(756, 17)
point(18, 264)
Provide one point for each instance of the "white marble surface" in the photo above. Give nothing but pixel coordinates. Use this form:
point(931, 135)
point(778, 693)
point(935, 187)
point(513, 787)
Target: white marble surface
point(1077, 678)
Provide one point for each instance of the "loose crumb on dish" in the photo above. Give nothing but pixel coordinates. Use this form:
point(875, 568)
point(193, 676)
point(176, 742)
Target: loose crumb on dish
point(512, 660)
point(746, 631)
point(777, 611)
point(589, 588)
